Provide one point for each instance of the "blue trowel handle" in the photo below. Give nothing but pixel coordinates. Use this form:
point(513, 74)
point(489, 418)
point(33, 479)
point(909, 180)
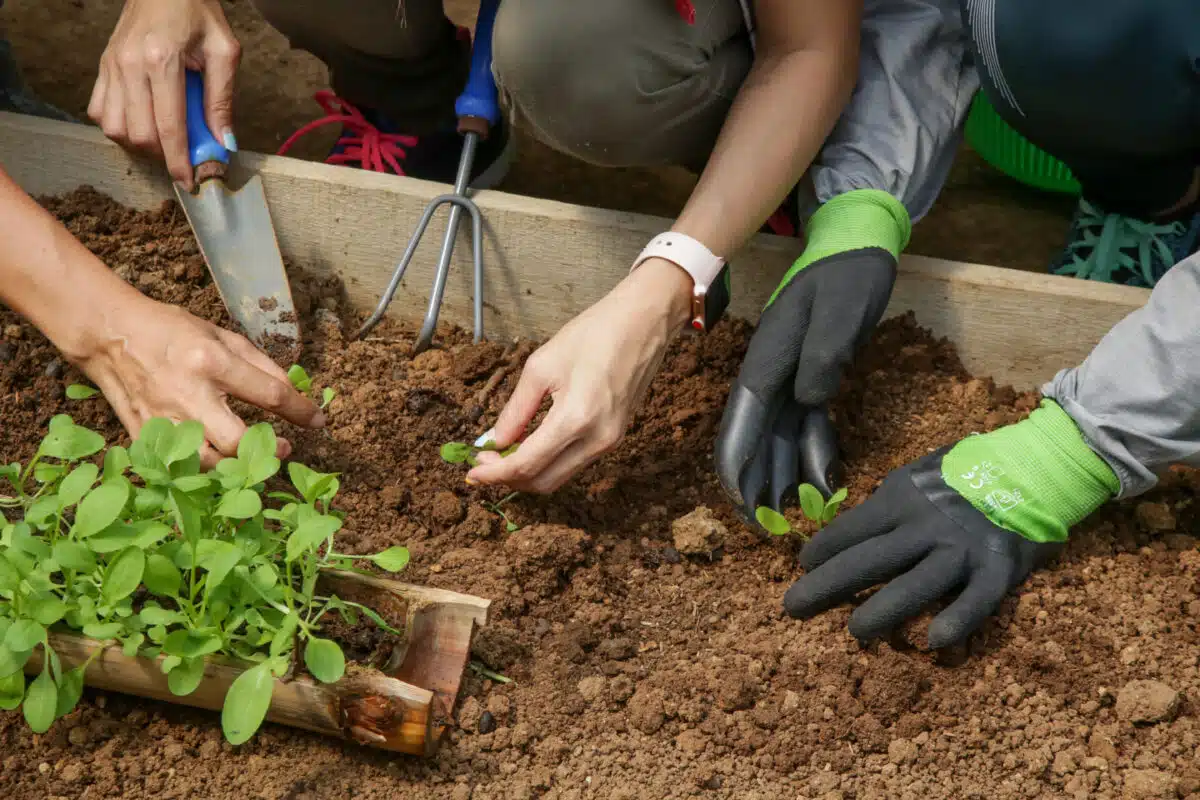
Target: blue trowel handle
point(478, 101)
point(202, 145)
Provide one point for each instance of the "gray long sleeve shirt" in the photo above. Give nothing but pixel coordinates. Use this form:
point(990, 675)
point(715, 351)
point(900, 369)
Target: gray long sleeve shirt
point(1136, 397)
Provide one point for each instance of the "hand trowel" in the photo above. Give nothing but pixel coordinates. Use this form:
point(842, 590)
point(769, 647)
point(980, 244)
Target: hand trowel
point(233, 228)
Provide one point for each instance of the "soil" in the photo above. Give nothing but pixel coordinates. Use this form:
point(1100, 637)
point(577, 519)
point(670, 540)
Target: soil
point(640, 672)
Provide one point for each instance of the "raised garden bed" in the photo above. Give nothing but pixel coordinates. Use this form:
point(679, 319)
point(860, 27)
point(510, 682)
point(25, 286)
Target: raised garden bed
point(639, 671)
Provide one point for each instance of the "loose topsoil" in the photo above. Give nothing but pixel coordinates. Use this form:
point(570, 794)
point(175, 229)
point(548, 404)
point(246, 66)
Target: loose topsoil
point(641, 672)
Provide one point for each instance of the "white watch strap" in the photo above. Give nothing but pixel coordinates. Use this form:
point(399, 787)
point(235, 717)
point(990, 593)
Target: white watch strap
point(687, 253)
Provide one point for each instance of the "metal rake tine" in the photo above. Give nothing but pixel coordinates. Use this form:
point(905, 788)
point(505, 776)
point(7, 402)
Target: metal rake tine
point(425, 338)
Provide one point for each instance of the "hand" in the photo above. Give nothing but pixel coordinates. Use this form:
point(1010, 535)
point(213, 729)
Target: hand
point(157, 360)
point(139, 98)
point(974, 518)
point(774, 433)
point(596, 369)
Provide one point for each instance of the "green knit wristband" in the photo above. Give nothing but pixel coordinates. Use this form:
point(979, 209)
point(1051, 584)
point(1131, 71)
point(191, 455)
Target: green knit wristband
point(855, 220)
point(1036, 478)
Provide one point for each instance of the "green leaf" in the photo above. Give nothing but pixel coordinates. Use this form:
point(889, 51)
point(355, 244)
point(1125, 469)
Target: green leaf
point(283, 637)
point(240, 504)
point(169, 663)
point(324, 660)
point(257, 451)
point(299, 378)
point(184, 679)
point(157, 615)
point(130, 644)
point(455, 452)
point(187, 515)
point(149, 500)
point(73, 555)
point(192, 483)
point(218, 558)
point(123, 575)
point(70, 442)
point(75, 485)
point(393, 559)
point(246, 704)
point(327, 395)
point(161, 577)
point(12, 691)
point(77, 391)
point(12, 660)
point(310, 534)
point(100, 508)
point(24, 635)
point(42, 509)
point(41, 703)
point(833, 505)
point(9, 577)
point(116, 461)
point(70, 689)
point(103, 630)
point(191, 644)
point(48, 609)
point(185, 442)
point(774, 522)
point(154, 440)
point(378, 620)
point(811, 502)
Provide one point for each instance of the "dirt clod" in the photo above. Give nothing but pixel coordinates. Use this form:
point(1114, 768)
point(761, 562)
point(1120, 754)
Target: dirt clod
point(1147, 701)
point(1155, 517)
point(1145, 784)
point(698, 533)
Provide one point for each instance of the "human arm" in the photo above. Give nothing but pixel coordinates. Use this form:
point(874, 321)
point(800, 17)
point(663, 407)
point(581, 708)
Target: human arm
point(983, 513)
point(598, 366)
point(139, 98)
point(150, 359)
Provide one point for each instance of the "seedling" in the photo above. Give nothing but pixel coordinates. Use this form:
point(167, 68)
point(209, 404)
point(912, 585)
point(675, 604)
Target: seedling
point(815, 507)
point(479, 669)
point(460, 452)
point(495, 508)
point(303, 384)
point(182, 564)
point(77, 391)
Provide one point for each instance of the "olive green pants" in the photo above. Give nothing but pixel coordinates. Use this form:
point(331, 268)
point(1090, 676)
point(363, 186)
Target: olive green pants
point(611, 82)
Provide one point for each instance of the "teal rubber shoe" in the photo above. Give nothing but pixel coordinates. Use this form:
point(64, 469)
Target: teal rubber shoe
point(1119, 249)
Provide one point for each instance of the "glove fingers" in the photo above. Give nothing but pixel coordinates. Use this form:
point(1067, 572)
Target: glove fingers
point(820, 462)
point(977, 601)
point(904, 596)
point(873, 517)
point(778, 340)
point(784, 456)
point(852, 571)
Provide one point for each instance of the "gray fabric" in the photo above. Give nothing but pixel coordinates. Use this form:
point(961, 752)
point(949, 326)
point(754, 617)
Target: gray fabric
point(904, 123)
point(1136, 397)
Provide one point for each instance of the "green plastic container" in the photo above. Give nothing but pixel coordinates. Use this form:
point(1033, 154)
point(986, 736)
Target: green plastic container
point(1014, 155)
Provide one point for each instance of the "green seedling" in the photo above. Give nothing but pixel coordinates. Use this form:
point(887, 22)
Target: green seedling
point(815, 507)
point(460, 453)
point(479, 669)
point(303, 383)
point(495, 508)
point(77, 391)
point(140, 548)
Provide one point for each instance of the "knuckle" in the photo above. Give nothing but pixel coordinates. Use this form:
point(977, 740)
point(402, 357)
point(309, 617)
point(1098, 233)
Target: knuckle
point(203, 358)
point(609, 435)
point(275, 395)
point(128, 59)
point(157, 53)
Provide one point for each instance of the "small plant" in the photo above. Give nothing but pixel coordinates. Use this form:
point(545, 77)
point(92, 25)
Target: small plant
point(303, 384)
point(460, 453)
point(139, 547)
point(815, 507)
point(77, 391)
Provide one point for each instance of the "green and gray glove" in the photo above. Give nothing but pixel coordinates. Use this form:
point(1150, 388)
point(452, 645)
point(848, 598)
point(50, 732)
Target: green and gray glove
point(775, 432)
point(975, 518)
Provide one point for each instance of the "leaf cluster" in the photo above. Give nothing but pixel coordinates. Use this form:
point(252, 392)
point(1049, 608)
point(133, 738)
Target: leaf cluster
point(141, 548)
point(303, 383)
point(815, 507)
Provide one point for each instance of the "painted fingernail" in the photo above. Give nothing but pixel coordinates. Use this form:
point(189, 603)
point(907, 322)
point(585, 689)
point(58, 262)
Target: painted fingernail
point(485, 437)
point(319, 420)
point(471, 481)
point(230, 141)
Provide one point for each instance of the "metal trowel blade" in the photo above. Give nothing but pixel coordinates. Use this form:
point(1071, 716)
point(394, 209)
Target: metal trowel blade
point(237, 240)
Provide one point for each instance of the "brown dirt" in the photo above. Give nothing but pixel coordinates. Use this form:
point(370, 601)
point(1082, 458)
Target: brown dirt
point(641, 674)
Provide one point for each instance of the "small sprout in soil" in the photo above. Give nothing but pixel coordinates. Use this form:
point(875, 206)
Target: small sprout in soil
point(815, 507)
point(303, 383)
point(495, 508)
point(460, 452)
point(479, 669)
point(139, 547)
point(77, 391)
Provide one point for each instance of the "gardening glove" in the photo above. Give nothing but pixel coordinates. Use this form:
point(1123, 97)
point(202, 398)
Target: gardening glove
point(775, 432)
point(977, 516)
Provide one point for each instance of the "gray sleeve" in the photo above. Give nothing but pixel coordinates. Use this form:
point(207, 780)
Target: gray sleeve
point(903, 125)
point(1137, 395)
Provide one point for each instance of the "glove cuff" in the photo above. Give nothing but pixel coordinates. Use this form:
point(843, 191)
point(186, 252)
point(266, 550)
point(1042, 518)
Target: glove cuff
point(1036, 478)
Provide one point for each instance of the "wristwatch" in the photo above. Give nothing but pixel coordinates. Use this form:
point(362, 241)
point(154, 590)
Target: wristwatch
point(710, 274)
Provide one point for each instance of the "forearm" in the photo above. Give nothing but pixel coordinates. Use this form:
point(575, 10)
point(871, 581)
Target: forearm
point(1136, 397)
point(51, 279)
point(781, 116)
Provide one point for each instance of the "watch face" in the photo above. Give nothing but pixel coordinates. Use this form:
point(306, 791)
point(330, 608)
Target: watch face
point(716, 299)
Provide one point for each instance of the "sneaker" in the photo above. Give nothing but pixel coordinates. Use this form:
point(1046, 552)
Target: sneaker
point(15, 94)
point(1119, 249)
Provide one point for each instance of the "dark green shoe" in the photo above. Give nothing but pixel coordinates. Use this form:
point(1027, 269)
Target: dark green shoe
point(1119, 249)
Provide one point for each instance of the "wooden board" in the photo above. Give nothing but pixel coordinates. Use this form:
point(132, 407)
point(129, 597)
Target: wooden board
point(547, 261)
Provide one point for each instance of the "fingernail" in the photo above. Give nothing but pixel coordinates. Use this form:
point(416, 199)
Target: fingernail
point(471, 481)
point(319, 420)
point(230, 141)
point(485, 437)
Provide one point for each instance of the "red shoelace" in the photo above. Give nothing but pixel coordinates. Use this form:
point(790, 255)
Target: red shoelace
point(361, 143)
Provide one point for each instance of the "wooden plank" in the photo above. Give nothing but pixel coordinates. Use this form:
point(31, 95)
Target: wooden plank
point(547, 261)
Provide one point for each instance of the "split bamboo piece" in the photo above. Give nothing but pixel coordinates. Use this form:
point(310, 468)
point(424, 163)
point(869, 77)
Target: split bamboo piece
point(400, 708)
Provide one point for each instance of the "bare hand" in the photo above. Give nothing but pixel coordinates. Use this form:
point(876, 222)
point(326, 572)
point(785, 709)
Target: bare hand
point(157, 360)
point(139, 99)
point(596, 369)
